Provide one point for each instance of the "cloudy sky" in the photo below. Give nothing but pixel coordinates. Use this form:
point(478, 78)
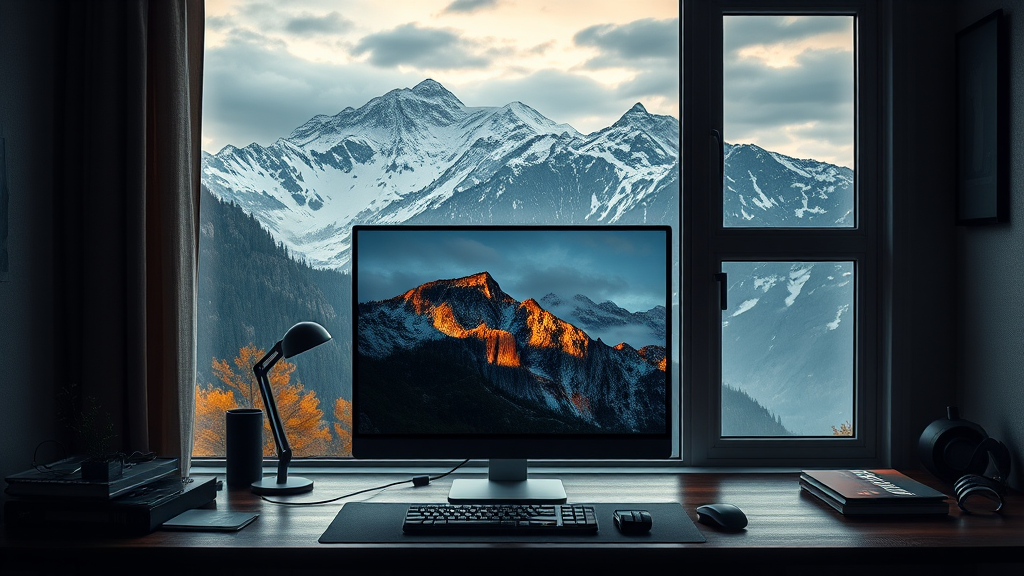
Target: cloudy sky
point(789, 85)
point(270, 66)
point(626, 267)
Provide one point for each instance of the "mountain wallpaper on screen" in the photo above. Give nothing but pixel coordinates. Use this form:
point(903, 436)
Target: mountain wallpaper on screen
point(419, 155)
point(478, 361)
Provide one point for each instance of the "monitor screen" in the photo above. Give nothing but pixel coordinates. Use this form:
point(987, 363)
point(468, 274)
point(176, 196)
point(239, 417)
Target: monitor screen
point(511, 342)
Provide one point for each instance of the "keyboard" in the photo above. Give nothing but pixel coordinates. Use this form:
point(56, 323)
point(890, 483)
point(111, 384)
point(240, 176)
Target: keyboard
point(500, 519)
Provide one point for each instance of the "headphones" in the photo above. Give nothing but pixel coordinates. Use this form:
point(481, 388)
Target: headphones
point(959, 452)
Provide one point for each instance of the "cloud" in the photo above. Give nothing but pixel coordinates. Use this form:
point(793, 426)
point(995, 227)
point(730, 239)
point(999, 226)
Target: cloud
point(659, 83)
point(624, 45)
point(789, 85)
point(568, 281)
point(556, 94)
point(271, 67)
point(426, 48)
point(744, 31)
point(332, 23)
point(467, 6)
point(254, 90)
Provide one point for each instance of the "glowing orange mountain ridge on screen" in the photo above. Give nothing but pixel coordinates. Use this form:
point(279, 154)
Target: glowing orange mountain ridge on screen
point(516, 351)
point(501, 344)
point(546, 331)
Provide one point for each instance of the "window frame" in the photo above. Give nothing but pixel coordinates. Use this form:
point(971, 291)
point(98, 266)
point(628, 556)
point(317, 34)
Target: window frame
point(704, 243)
point(709, 243)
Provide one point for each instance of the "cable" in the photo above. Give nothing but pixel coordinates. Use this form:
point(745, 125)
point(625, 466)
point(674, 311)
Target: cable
point(49, 467)
point(349, 495)
point(127, 461)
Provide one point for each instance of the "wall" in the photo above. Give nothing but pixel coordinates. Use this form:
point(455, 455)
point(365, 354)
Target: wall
point(27, 94)
point(921, 156)
point(990, 266)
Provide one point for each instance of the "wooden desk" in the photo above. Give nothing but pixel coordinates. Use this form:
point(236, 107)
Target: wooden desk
point(787, 531)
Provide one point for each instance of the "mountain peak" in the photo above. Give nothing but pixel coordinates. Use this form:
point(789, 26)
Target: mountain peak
point(637, 109)
point(637, 116)
point(430, 89)
point(482, 281)
point(477, 279)
point(429, 86)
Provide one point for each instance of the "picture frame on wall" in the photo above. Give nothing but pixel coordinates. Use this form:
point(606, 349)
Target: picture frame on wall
point(983, 195)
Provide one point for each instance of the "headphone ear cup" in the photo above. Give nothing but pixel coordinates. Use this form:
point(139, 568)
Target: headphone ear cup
point(948, 447)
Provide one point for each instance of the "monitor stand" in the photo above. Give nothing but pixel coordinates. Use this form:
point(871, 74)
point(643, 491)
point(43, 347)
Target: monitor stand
point(507, 483)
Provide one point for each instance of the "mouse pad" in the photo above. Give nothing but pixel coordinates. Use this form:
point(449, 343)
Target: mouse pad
point(381, 523)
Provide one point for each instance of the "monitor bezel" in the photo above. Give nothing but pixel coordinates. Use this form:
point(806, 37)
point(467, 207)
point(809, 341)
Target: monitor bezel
point(505, 446)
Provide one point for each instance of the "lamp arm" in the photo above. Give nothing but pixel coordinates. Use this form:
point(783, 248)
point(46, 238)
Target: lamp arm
point(261, 370)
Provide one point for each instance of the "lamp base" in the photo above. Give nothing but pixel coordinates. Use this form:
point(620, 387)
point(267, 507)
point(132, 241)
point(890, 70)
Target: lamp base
point(270, 485)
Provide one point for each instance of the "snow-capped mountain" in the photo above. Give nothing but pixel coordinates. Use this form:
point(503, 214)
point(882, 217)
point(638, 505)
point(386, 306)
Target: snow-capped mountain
point(608, 321)
point(518, 352)
point(768, 189)
point(788, 340)
point(420, 155)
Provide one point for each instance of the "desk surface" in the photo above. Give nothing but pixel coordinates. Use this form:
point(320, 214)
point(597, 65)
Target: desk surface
point(787, 528)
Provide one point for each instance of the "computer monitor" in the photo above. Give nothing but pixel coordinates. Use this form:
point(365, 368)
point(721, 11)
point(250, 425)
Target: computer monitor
point(511, 343)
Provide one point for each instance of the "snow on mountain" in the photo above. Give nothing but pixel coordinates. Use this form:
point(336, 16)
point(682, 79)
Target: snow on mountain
point(788, 342)
point(520, 349)
point(420, 154)
point(764, 188)
point(310, 186)
point(609, 322)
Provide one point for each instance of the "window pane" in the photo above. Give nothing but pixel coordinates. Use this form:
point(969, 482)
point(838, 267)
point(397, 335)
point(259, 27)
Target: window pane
point(446, 117)
point(789, 113)
point(788, 349)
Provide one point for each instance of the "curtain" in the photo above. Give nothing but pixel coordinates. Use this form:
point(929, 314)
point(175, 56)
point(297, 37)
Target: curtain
point(127, 246)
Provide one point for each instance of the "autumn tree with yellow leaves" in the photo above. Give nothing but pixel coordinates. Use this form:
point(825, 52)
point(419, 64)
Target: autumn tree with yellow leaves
point(342, 427)
point(845, 429)
point(308, 433)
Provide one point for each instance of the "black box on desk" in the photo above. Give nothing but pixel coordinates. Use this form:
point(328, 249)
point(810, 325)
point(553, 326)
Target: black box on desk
point(138, 512)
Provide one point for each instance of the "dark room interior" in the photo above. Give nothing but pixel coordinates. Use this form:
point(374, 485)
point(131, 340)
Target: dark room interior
point(952, 294)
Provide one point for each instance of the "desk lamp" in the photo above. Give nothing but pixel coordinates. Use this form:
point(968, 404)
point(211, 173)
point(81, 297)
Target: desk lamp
point(297, 339)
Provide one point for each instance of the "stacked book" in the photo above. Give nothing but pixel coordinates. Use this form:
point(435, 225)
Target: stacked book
point(134, 501)
point(874, 493)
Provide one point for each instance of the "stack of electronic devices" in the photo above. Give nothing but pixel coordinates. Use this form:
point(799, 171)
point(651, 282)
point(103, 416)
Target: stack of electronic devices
point(108, 495)
point(874, 493)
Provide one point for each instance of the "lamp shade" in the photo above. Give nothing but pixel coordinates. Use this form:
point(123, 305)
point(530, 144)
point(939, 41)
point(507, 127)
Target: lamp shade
point(302, 337)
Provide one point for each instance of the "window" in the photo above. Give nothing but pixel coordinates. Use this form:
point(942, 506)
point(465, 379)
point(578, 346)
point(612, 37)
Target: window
point(407, 112)
point(784, 229)
point(533, 112)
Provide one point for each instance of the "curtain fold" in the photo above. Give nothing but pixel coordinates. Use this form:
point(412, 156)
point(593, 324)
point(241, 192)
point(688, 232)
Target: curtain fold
point(127, 251)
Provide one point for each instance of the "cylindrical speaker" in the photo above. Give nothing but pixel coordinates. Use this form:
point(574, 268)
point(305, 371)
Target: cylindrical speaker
point(947, 447)
point(244, 446)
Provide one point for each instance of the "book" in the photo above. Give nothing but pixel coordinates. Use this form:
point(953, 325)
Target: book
point(873, 492)
point(139, 512)
point(63, 479)
point(210, 519)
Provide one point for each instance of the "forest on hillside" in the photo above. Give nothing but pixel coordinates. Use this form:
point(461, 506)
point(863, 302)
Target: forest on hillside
point(251, 290)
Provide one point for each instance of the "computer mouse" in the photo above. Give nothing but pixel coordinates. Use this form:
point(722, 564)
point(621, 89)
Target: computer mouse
point(725, 517)
point(633, 521)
